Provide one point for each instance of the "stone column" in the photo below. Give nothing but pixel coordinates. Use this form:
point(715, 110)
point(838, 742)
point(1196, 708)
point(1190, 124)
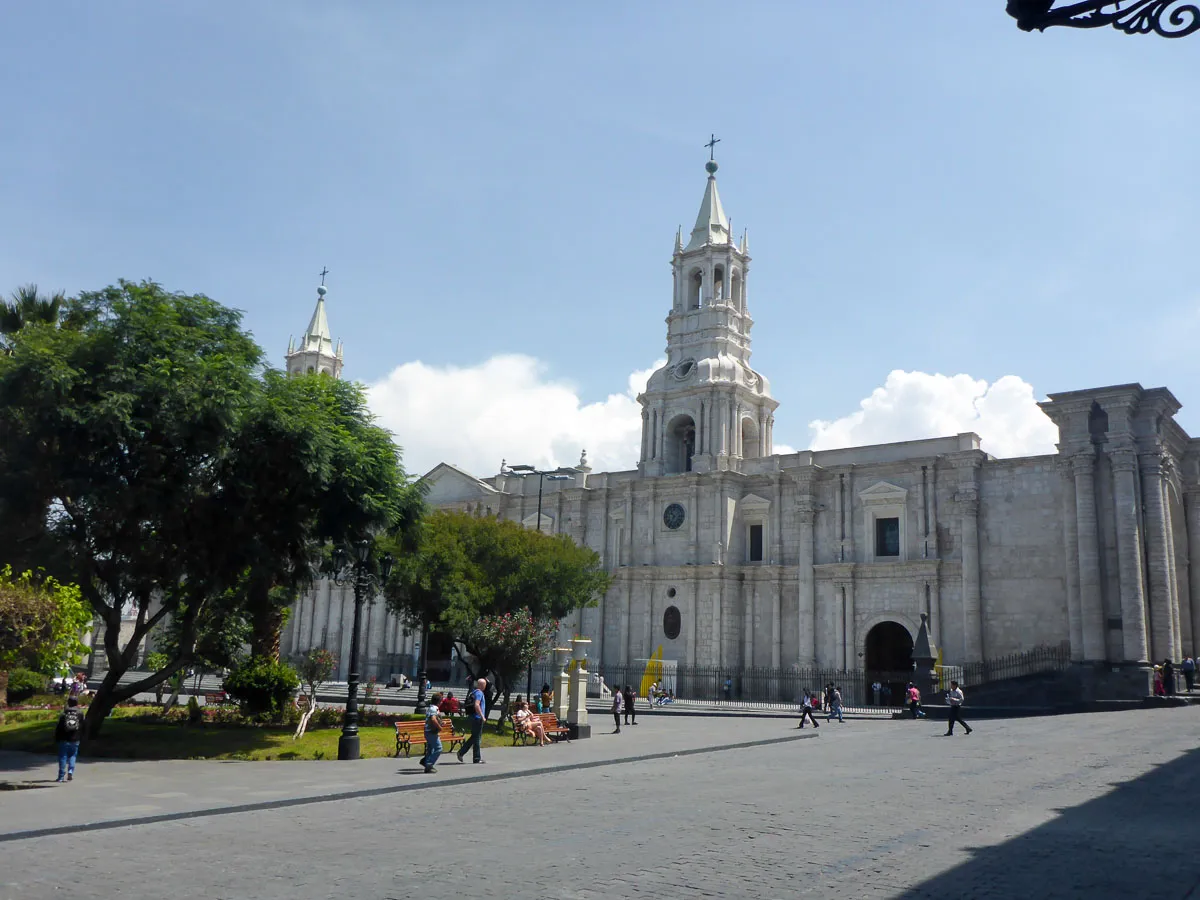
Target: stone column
point(645, 433)
point(776, 626)
point(1172, 576)
point(967, 498)
point(1091, 606)
point(1162, 625)
point(851, 636)
point(1191, 500)
point(806, 617)
point(1071, 555)
point(625, 623)
point(749, 592)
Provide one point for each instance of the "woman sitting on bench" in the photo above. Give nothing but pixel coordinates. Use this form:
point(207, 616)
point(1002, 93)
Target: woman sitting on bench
point(526, 721)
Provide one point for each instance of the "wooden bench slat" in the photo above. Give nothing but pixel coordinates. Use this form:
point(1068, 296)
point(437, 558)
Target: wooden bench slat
point(412, 733)
point(554, 729)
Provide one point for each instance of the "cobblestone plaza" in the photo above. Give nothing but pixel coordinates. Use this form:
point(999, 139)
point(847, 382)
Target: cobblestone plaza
point(1098, 805)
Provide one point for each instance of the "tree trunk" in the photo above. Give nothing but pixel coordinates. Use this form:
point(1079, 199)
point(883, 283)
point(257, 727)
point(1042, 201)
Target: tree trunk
point(3, 694)
point(267, 627)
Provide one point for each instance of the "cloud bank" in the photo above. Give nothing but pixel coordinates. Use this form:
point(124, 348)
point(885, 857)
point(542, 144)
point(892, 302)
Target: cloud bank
point(914, 405)
point(507, 407)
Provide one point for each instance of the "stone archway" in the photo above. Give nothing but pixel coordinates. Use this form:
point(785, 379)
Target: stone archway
point(888, 659)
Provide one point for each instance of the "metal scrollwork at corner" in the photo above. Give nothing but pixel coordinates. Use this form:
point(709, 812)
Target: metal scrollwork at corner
point(1168, 18)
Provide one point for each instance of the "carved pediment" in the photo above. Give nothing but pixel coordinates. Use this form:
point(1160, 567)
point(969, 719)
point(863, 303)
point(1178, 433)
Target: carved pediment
point(449, 484)
point(883, 493)
point(755, 503)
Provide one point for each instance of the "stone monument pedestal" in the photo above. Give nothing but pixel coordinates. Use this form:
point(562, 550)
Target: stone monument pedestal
point(577, 715)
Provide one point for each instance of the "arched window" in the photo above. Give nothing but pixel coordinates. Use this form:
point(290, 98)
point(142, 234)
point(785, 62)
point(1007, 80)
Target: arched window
point(695, 289)
point(718, 284)
point(749, 438)
point(681, 444)
point(311, 370)
point(735, 291)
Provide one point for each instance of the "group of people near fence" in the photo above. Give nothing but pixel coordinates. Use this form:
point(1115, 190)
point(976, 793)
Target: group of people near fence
point(831, 701)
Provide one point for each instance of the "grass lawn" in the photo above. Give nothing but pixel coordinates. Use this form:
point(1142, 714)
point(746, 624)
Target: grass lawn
point(139, 736)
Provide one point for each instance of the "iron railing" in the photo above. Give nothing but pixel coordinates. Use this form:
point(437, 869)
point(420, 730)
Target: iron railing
point(767, 687)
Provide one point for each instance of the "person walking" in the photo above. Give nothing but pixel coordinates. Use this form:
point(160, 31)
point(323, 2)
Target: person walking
point(1169, 677)
point(835, 705)
point(67, 733)
point(433, 733)
point(617, 703)
point(1189, 672)
point(477, 710)
point(629, 695)
point(806, 709)
point(954, 697)
point(913, 693)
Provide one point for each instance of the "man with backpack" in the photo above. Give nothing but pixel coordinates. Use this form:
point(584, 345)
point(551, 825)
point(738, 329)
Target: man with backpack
point(67, 733)
point(477, 710)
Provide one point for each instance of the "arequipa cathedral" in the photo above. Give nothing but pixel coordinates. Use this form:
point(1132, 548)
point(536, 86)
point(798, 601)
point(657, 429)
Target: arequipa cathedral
point(725, 553)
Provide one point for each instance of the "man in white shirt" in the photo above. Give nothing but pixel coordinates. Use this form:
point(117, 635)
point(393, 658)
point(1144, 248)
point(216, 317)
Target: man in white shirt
point(954, 697)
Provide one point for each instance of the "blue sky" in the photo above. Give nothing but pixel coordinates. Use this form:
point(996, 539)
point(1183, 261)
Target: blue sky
point(927, 188)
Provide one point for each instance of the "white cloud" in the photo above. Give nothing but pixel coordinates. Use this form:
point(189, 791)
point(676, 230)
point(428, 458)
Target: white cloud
point(505, 407)
point(915, 405)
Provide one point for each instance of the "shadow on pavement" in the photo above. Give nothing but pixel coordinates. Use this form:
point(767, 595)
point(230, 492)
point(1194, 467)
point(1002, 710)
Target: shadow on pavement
point(1135, 841)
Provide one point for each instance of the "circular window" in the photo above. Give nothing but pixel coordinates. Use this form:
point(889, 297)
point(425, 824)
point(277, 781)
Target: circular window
point(670, 592)
point(673, 516)
point(671, 622)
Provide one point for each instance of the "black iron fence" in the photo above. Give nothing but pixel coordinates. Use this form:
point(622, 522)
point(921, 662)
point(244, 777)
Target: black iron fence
point(767, 687)
point(1017, 665)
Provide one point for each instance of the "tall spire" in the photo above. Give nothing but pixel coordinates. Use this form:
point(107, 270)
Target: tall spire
point(712, 227)
point(316, 351)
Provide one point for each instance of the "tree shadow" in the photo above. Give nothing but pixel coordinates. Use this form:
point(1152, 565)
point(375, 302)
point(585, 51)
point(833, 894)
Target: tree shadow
point(1135, 841)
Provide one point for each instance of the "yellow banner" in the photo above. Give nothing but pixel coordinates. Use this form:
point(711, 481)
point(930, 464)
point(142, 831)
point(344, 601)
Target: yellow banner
point(653, 672)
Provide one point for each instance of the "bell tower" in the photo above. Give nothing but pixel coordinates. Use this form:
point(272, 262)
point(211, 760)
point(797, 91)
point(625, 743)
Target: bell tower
point(706, 409)
point(316, 352)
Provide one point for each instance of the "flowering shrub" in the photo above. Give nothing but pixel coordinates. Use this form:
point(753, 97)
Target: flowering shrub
point(262, 685)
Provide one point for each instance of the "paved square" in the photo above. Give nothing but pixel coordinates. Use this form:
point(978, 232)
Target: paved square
point(1090, 806)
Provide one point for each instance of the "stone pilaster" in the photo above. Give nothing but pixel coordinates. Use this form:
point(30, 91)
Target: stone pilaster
point(1172, 567)
point(807, 608)
point(1162, 622)
point(1129, 555)
point(1191, 499)
point(967, 500)
point(1071, 556)
point(1091, 604)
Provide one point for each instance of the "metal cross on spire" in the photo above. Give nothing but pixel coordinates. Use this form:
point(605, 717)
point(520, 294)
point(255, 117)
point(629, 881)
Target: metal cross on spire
point(324, 272)
point(713, 140)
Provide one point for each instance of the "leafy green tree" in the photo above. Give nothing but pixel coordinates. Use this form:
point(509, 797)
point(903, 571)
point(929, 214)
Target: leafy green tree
point(467, 569)
point(148, 458)
point(41, 623)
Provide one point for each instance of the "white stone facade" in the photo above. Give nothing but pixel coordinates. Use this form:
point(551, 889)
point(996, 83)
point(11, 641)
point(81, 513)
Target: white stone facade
point(791, 560)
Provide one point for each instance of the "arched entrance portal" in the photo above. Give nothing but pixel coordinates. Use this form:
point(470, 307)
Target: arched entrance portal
point(889, 662)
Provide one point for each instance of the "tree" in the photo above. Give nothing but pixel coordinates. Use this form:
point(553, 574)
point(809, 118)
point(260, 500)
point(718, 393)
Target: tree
point(28, 307)
point(506, 644)
point(41, 622)
point(148, 458)
point(466, 568)
point(314, 669)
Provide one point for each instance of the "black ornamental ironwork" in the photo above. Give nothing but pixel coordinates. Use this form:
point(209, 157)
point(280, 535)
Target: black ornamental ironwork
point(1167, 18)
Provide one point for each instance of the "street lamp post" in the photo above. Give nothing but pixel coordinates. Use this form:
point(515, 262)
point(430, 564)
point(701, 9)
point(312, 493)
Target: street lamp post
point(422, 706)
point(357, 568)
point(560, 474)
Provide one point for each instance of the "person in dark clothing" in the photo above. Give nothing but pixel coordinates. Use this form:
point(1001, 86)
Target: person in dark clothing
point(630, 709)
point(1168, 671)
point(67, 733)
